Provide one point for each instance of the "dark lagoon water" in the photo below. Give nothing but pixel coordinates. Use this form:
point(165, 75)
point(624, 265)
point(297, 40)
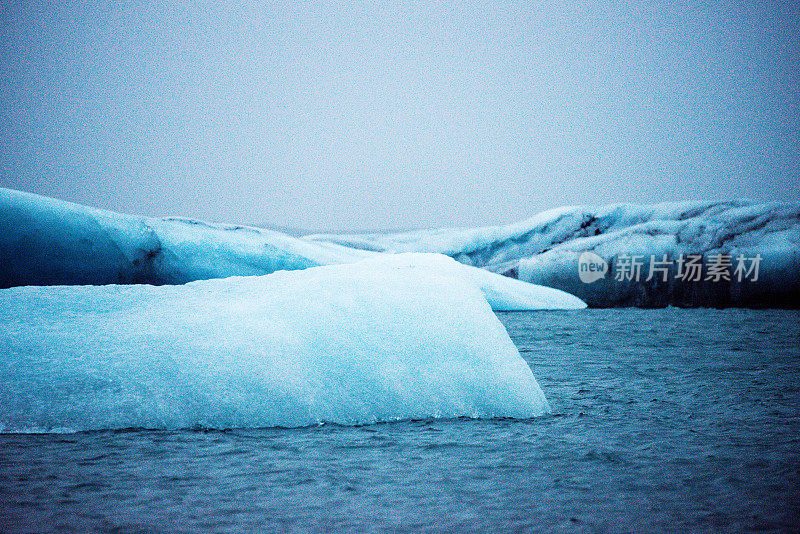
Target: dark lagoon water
point(663, 421)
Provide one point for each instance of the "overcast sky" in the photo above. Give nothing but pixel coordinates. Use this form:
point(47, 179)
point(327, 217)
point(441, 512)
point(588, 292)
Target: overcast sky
point(376, 116)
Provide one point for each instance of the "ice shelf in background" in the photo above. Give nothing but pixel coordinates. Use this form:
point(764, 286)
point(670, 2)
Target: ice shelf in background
point(381, 340)
point(545, 250)
point(44, 241)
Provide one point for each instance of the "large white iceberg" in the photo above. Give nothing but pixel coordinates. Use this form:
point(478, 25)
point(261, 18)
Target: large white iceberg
point(381, 340)
point(546, 250)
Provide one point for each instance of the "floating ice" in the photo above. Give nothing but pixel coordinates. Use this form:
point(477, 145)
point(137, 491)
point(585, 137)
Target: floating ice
point(502, 292)
point(546, 248)
point(382, 340)
point(44, 241)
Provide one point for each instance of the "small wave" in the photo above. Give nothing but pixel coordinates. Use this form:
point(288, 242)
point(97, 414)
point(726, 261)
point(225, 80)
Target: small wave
point(38, 430)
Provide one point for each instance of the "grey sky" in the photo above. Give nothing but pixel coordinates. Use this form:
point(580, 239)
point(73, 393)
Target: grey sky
point(394, 115)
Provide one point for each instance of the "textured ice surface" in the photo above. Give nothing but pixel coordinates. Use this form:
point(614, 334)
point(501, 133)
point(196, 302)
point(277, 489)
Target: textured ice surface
point(545, 250)
point(372, 341)
point(44, 241)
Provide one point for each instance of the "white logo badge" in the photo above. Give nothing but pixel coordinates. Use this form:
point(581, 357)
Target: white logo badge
point(591, 267)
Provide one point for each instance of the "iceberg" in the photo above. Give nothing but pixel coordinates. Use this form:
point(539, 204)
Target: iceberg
point(502, 293)
point(45, 241)
point(547, 248)
point(386, 339)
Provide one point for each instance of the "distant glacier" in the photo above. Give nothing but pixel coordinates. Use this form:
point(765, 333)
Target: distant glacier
point(716, 254)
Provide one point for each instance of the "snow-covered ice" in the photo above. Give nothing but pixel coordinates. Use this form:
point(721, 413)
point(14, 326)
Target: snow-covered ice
point(502, 292)
point(380, 340)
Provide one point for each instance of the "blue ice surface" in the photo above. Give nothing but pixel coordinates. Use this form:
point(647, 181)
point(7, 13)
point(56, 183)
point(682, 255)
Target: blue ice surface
point(44, 241)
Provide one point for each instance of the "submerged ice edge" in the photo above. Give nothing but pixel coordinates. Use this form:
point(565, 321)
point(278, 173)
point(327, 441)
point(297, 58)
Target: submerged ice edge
point(38, 430)
point(349, 344)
